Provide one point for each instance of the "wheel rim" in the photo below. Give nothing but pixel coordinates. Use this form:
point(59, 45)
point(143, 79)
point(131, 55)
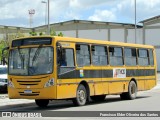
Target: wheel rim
point(133, 90)
point(81, 96)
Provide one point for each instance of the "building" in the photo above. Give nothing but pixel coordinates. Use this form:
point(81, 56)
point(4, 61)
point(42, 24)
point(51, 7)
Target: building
point(148, 33)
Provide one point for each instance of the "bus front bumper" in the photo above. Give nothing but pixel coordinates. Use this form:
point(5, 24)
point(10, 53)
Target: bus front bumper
point(45, 93)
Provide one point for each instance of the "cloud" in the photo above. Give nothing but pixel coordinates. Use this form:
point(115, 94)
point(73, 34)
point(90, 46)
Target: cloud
point(15, 12)
point(72, 15)
point(145, 9)
point(90, 3)
point(103, 15)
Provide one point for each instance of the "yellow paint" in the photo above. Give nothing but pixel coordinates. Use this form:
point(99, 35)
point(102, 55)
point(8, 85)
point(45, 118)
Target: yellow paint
point(149, 84)
point(66, 88)
point(66, 91)
point(115, 87)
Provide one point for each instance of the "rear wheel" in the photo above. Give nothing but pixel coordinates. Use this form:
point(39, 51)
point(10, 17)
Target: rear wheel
point(132, 92)
point(98, 98)
point(81, 96)
point(42, 103)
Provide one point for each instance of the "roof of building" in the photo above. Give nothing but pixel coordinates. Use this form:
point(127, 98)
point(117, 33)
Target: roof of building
point(150, 19)
point(93, 22)
point(117, 25)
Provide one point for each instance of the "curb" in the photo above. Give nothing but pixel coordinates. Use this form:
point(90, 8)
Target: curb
point(3, 96)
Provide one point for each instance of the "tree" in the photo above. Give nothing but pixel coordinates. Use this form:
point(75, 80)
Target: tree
point(41, 33)
point(3, 44)
point(60, 34)
point(33, 33)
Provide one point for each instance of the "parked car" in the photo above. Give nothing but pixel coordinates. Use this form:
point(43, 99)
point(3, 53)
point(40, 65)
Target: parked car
point(3, 78)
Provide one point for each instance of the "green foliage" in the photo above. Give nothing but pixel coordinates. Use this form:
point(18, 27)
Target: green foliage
point(41, 33)
point(53, 33)
point(33, 33)
point(3, 44)
point(60, 34)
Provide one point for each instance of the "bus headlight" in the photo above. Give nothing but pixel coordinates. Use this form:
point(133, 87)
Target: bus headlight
point(10, 84)
point(49, 83)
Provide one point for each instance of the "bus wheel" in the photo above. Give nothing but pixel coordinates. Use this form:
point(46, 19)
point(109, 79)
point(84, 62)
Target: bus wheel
point(42, 103)
point(132, 92)
point(98, 98)
point(81, 96)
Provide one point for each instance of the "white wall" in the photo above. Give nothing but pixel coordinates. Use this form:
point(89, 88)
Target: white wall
point(153, 36)
point(117, 35)
point(131, 36)
point(71, 33)
point(158, 58)
point(99, 34)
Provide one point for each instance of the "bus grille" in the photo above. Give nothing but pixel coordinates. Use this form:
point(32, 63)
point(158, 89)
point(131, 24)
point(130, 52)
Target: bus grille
point(33, 82)
point(29, 94)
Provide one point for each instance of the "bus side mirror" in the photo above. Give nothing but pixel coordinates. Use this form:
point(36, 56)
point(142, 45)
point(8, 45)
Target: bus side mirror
point(3, 60)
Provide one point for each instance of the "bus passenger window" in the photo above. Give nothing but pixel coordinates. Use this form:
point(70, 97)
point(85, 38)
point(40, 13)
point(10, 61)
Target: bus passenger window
point(151, 57)
point(99, 55)
point(115, 55)
point(83, 55)
point(130, 56)
point(143, 57)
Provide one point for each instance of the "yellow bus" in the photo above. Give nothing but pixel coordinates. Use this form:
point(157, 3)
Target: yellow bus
point(52, 68)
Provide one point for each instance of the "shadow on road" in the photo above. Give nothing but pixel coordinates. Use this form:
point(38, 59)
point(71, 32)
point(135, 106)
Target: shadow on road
point(56, 105)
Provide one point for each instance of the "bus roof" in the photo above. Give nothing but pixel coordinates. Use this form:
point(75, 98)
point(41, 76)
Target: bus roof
point(82, 40)
point(70, 39)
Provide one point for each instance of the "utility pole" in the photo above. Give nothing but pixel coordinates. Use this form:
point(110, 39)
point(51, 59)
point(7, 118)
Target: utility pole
point(135, 23)
point(48, 20)
point(45, 12)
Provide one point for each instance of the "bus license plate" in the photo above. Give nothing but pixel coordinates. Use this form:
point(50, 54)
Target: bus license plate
point(27, 91)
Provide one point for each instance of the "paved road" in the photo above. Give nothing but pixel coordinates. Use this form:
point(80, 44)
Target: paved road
point(146, 101)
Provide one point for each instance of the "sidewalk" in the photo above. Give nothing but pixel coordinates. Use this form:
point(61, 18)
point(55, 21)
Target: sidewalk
point(4, 100)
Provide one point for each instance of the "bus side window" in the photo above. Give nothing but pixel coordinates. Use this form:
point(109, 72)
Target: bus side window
point(83, 55)
point(130, 56)
point(99, 55)
point(151, 59)
point(143, 57)
point(68, 58)
point(115, 56)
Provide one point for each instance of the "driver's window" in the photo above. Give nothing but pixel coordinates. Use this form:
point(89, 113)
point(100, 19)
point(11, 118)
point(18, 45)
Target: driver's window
point(67, 58)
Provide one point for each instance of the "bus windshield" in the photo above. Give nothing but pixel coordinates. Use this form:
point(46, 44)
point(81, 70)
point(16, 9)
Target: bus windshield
point(31, 61)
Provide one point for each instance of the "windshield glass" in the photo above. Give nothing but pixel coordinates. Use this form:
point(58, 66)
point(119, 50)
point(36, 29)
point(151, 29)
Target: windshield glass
point(3, 70)
point(31, 61)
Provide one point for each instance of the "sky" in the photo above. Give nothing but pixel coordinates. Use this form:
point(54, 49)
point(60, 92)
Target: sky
point(16, 12)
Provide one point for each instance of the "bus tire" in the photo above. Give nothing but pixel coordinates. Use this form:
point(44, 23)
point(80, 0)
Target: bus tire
point(42, 103)
point(98, 98)
point(132, 92)
point(81, 96)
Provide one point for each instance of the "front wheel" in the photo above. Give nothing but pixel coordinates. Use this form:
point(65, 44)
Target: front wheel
point(132, 92)
point(81, 96)
point(42, 103)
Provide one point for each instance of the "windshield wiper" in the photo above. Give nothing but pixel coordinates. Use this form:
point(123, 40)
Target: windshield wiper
point(36, 53)
point(21, 57)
